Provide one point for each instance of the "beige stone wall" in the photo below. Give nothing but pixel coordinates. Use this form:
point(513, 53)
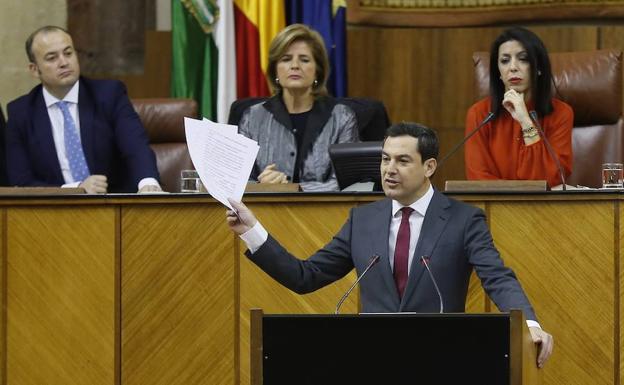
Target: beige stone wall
point(163, 15)
point(17, 20)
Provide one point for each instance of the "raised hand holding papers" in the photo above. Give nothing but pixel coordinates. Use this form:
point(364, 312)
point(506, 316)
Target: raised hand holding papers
point(222, 157)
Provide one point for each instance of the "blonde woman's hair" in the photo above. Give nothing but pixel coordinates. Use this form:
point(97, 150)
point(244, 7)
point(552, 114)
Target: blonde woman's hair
point(280, 44)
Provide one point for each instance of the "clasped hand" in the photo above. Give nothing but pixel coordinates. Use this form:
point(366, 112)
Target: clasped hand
point(95, 184)
point(513, 102)
point(271, 175)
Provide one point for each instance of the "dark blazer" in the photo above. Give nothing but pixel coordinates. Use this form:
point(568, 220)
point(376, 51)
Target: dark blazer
point(371, 115)
point(114, 141)
point(327, 123)
point(454, 236)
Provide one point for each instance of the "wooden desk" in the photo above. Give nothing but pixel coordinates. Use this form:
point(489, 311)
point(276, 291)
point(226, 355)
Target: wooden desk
point(155, 289)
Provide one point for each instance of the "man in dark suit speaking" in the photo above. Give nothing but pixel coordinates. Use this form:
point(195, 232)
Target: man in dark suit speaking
point(75, 132)
point(415, 220)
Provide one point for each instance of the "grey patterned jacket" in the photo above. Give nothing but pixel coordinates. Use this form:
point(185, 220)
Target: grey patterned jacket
point(269, 124)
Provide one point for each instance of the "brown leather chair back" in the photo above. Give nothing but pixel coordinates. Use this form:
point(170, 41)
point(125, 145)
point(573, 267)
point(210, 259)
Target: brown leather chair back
point(590, 82)
point(371, 115)
point(163, 120)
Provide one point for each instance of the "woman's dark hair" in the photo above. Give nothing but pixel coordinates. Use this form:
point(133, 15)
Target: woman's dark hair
point(541, 73)
point(428, 145)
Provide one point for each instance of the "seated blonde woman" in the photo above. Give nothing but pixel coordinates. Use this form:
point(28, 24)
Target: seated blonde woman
point(296, 126)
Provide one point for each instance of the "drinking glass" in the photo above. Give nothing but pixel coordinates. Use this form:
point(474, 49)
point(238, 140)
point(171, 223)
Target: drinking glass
point(612, 175)
point(190, 182)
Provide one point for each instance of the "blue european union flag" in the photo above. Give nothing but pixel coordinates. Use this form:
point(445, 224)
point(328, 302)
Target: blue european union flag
point(319, 15)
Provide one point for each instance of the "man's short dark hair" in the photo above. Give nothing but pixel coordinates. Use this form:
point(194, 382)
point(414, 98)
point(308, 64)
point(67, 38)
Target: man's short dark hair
point(428, 145)
point(29, 41)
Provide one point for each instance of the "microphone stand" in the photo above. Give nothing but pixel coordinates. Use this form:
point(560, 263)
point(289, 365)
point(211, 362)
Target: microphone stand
point(374, 259)
point(551, 151)
point(424, 260)
point(485, 121)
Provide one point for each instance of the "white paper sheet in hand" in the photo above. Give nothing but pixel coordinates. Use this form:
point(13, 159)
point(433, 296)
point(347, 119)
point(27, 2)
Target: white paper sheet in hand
point(222, 157)
point(229, 129)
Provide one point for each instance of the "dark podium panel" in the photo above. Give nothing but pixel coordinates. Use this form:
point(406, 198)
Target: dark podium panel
point(384, 349)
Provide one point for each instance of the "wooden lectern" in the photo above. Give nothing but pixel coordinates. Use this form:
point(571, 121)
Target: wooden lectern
point(397, 348)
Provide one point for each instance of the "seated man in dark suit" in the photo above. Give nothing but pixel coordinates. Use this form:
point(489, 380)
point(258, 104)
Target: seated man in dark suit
point(75, 132)
point(415, 222)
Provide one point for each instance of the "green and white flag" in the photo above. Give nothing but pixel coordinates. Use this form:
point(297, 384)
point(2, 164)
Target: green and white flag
point(204, 62)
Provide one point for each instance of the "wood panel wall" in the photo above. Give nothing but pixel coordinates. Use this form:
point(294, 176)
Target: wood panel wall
point(109, 36)
point(156, 290)
point(60, 296)
point(551, 273)
point(179, 295)
point(426, 74)
point(154, 80)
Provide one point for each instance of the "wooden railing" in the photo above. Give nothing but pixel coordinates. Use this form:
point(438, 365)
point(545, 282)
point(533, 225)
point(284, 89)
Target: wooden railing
point(146, 290)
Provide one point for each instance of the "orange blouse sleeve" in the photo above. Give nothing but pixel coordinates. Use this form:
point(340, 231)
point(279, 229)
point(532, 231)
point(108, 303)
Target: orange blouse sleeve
point(535, 161)
point(478, 159)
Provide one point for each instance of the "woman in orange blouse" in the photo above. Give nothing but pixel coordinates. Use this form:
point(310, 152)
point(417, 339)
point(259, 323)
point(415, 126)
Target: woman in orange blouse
point(510, 145)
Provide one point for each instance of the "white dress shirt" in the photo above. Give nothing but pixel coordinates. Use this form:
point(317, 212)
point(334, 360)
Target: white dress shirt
point(415, 221)
point(56, 120)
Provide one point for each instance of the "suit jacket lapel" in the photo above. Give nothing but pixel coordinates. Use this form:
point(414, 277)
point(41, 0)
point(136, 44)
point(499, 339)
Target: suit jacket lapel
point(379, 230)
point(43, 132)
point(86, 111)
point(276, 106)
point(318, 117)
point(435, 220)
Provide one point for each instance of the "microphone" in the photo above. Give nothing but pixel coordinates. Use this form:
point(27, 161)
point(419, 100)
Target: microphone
point(551, 152)
point(374, 259)
point(485, 121)
point(424, 261)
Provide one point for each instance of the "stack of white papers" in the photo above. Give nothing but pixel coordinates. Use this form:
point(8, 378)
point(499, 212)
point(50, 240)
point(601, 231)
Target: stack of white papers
point(222, 157)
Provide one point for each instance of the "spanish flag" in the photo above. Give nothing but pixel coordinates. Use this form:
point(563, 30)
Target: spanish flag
point(256, 24)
